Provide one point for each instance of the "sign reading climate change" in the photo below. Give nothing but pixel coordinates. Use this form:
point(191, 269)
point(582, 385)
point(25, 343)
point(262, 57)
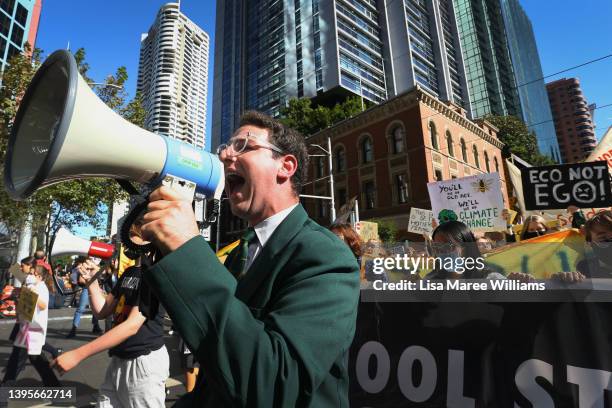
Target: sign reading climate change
point(476, 201)
point(557, 187)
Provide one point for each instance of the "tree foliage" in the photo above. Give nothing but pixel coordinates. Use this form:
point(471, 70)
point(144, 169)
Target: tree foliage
point(387, 230)
point(73, 203)
point(518, 140)
point(302, 116)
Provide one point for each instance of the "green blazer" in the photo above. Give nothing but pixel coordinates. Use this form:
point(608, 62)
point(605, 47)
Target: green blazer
point(280, 336)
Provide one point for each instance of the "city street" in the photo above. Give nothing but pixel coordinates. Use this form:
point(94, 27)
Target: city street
point(87, 376)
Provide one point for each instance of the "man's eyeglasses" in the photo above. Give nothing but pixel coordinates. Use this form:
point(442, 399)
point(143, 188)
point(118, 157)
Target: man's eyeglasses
point(239, 144)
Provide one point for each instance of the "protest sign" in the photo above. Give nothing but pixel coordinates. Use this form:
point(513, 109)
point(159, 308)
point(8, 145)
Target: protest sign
point(540, 257)
point(476, 201)
point(603, 151)
point(26, 306)
point(557, 187)
point(481, 355)
point(420, 221)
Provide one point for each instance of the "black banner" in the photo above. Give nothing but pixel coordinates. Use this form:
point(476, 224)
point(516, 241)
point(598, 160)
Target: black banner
point(585, 185)
point(482, 355)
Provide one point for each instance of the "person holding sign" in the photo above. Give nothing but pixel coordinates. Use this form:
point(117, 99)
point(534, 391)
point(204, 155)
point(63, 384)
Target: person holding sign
point(30, 339)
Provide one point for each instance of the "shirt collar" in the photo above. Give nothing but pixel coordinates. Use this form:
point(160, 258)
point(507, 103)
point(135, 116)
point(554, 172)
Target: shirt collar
point(266, 228)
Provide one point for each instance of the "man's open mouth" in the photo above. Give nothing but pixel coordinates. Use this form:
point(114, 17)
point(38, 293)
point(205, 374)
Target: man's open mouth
point(234, 183)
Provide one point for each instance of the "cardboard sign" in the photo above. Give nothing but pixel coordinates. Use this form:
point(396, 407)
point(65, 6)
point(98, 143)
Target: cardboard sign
point(367, 230)
point(420, 221)
point(26, 306)
point(476, 201)
point(557, 187)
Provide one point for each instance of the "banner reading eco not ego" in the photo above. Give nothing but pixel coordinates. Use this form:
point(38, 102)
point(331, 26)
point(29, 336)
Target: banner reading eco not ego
point(476, 201)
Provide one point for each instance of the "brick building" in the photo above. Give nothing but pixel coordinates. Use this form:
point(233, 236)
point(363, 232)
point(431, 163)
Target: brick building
point(387, 154)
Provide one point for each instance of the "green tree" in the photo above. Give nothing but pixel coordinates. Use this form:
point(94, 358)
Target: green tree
point(387, 230)
point(302, 116)
point(518, 140)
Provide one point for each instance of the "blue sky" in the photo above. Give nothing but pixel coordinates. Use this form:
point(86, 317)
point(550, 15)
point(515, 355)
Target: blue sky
point(568, 33)
point(110, 30)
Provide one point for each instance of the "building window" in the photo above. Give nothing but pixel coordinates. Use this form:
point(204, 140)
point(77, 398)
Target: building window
point(341, 197)
point(401, 188)
point(369, 193)
point(320, 167)
point(487, 165)
point(8, 6)
point(366, 150)
point(433, 135)
point(340, 157)
point(21, 15)
point(397, 140)
point(464, 151)
point(449, 144)
point(476, 159)
point(438, 174)
point(496, 164)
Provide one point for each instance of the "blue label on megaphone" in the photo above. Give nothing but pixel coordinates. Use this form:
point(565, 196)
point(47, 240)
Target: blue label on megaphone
point(196, 165)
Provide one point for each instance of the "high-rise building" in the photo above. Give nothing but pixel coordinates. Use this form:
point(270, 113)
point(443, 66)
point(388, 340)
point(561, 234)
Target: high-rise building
point(329, 50)
point(477, 54)
point(572, 118)
point(502, 66)
point(488, 65)
point(173, 76)
point(529, 76)
point(18, 25)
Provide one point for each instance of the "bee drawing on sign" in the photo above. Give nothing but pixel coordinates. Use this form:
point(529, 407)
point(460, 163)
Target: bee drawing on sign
point(482, 185)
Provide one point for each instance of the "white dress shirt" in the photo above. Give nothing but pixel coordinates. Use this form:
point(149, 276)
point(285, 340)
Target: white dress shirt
point(264, 231)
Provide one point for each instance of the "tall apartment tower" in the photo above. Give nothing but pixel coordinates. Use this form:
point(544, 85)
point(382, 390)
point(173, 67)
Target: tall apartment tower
point(329, 50)
point(18, 25)
point(573, 120)
point(173, 76)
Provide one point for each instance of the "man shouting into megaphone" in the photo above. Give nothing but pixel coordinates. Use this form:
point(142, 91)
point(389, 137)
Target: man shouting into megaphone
point(272, 327)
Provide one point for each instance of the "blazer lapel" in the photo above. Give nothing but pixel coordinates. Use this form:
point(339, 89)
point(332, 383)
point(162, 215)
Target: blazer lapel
point(262, 267)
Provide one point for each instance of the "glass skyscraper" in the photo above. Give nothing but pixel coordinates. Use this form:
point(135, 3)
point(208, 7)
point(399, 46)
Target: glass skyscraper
point(502, 65)
point(18, 25)
point(528, 73)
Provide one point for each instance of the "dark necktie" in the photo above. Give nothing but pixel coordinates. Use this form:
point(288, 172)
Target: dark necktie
point(237, 266)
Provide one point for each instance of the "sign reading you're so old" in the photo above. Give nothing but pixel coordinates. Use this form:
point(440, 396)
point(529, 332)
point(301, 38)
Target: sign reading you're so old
point(557, 187)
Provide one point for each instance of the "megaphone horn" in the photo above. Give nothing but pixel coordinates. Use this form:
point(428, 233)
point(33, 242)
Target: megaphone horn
point(63, 131)
point(67, 244)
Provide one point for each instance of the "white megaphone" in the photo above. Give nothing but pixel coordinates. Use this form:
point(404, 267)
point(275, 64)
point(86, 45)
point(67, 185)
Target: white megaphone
point(67, 244)
point(63, 131)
